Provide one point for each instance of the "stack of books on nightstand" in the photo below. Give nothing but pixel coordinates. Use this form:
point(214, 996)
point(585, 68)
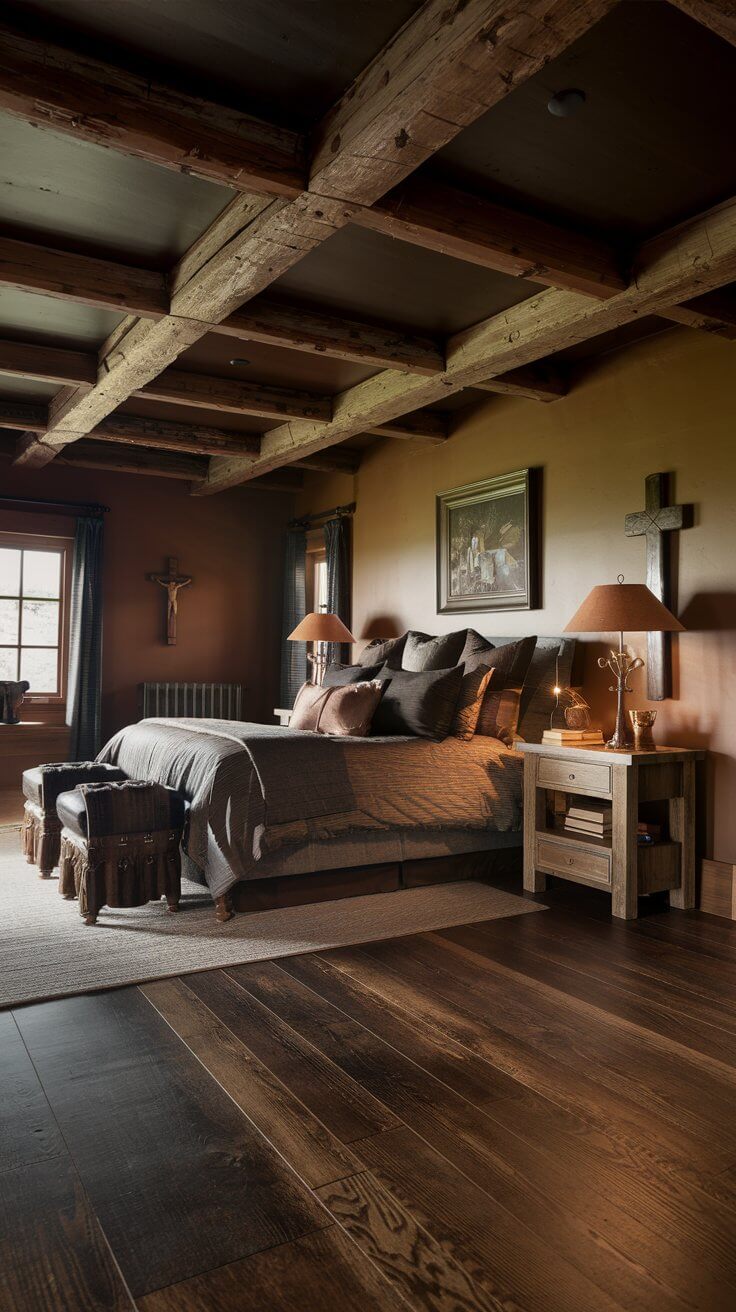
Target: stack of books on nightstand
point(572, 737)
point(589, 819)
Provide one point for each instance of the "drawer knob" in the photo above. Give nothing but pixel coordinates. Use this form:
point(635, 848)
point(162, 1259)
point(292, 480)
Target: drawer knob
point(571, 776)
point(571, 860)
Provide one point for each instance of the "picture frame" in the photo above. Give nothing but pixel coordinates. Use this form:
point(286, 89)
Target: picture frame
point(488, 544)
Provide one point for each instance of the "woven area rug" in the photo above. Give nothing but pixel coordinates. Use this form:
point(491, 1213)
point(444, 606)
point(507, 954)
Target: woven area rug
point(47, 952)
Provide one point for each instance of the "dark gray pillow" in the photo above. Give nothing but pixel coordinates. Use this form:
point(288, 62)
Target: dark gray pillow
point(499, 713)
point(418, 703)
point(338, 676)
point(423, 652)
point(551, 664)
point(381, 650)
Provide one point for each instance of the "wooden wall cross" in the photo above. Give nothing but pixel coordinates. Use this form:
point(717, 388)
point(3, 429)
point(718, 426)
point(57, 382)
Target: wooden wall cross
point(656, 522)
point(172, 581)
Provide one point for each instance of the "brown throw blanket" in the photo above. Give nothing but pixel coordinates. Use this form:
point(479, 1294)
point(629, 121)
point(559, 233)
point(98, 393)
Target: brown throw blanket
point(254, 788)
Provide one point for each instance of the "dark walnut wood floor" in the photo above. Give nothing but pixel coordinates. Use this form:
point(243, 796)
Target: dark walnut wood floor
point(529, 1115)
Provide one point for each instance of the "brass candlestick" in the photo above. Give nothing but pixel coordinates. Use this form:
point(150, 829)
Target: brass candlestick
point(621, 666)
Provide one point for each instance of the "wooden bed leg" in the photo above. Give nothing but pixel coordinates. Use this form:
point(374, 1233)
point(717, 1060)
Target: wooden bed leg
point(223, 908)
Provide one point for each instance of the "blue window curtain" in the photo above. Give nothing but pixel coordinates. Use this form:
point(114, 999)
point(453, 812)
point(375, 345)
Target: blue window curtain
point(337, 552)
point(293, 654)
point(84, 692)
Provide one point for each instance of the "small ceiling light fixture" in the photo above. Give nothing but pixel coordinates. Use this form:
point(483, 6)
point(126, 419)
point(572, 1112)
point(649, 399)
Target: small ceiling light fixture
point(238, 360)
point(563, 104)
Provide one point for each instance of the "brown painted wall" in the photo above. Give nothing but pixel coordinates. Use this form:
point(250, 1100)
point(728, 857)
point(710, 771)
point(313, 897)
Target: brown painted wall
point(229, 619)
point(665, 404)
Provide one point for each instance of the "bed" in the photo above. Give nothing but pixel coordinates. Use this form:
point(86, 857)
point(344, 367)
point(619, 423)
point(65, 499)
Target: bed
point(270, 806)
point(266, 801)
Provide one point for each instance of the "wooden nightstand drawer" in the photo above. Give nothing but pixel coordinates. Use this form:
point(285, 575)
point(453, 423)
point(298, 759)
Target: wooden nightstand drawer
point(574, 776)
point(574, 862)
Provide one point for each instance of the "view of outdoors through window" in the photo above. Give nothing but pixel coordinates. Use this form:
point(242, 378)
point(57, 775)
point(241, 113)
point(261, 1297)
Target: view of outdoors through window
point(30, 617)
point(320, 585)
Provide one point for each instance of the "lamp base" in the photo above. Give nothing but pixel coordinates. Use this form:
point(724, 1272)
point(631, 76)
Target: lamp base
point(621, 667)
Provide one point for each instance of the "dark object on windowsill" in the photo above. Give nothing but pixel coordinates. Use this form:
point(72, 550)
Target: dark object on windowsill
point(11, 698)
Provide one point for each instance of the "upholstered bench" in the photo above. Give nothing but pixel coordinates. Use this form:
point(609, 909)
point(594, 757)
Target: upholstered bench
point(120, 845)
point(41, 833)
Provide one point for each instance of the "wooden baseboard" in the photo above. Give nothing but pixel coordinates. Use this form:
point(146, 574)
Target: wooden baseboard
point(718, 889)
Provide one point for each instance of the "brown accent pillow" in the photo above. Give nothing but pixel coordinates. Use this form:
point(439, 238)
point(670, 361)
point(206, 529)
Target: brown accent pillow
point(472, 691)
point(499, 712)
point(380, 650)
point(345, 712)
point(423, 652)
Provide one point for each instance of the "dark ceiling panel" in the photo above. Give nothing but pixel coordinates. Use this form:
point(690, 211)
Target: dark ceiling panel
point(30, 318)
point(62, 192)
point(652, 145)
point(25, 389)
point(193, 414)
point(370, 275)
point(272, 365)
point(283, 60)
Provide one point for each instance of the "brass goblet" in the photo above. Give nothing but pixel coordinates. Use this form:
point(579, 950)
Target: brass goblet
point(643, 722)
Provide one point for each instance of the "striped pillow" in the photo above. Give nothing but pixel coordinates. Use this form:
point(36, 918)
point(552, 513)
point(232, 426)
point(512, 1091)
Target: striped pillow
point(467, 710)
point(499, 712)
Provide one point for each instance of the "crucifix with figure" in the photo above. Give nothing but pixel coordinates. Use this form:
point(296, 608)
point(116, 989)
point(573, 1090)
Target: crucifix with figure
point(172, 581)
point(655, 523)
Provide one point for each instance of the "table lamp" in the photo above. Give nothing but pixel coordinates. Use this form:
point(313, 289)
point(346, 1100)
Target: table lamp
point(319, 628)
point(613, 608)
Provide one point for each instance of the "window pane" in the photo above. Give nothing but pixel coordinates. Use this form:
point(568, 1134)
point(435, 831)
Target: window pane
point(9, 572)
point(8, 663)
point(41, 573)
point(41, 623)
point(9, 612)
point(39, 666)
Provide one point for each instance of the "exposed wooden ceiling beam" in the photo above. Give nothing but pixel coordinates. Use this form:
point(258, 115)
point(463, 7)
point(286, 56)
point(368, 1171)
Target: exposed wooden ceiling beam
point(164, 435)
point(48, 86)
point(535, 383)
point(119, 459)
point(718, 15)
point(425, 426)
point(302, 328)
point(696, 257)
point(84, 278)
point(448, 64)
point(51, 363)
point(18, 414)
point(469, 227)
point(236, 397)
point(713, 313)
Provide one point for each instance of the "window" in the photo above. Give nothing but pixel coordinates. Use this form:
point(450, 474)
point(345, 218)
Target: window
point(320, 583)
point(32, 613)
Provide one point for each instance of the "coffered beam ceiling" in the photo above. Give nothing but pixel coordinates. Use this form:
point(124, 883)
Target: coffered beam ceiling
point(446, 66)
point(713, 313)
point(718, 15)
point(695, 258)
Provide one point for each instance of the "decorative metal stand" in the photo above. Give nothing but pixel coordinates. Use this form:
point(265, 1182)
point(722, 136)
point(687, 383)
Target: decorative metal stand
point(621, 666)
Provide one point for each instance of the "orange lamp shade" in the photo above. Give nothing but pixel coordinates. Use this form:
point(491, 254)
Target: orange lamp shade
point(623, 607)
point(319, 626)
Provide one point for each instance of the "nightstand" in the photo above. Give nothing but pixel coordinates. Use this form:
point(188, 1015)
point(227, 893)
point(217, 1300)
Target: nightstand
point(637, 784)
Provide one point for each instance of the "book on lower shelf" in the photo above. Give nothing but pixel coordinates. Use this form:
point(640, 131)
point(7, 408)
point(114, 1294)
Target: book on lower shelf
point(594, 819)
point(573, 737)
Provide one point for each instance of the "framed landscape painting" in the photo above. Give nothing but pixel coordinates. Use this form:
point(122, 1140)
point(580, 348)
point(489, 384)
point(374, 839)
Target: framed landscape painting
point(487, 544)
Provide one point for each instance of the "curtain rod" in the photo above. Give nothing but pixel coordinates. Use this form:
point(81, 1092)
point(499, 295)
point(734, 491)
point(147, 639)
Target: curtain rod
point(67, 507)
point(323, 514)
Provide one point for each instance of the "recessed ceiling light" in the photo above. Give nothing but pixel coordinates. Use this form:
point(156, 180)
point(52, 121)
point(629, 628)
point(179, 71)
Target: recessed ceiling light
point(563, 104)
point(239, 361)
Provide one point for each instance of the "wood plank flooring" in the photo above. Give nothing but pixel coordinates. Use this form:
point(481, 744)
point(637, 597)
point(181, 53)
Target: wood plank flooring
point(527, 1115)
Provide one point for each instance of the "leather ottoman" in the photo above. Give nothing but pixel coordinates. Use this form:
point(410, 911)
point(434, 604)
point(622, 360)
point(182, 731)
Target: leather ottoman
point(41, 833)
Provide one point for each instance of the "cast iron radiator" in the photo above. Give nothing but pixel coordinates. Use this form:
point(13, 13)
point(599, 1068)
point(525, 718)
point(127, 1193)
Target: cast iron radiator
point(211, 701)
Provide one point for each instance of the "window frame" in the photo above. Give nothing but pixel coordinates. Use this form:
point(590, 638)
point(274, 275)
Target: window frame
point(64, 547)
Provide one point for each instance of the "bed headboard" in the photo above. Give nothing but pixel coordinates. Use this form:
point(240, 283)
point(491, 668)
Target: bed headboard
point(212, 701)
